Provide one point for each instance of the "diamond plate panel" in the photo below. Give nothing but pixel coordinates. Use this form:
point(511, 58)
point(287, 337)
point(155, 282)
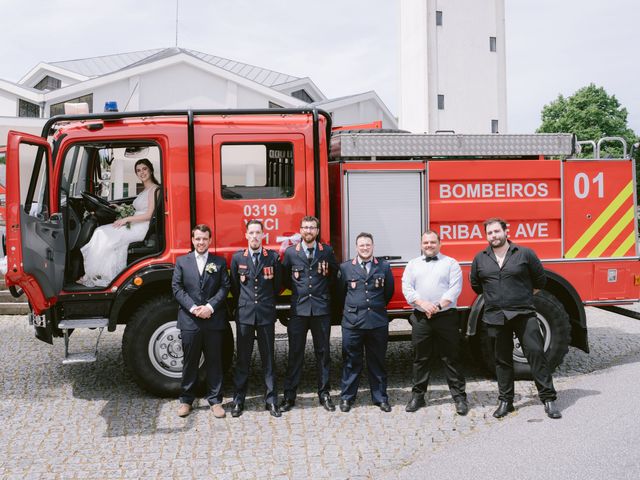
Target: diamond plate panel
point(394, 145)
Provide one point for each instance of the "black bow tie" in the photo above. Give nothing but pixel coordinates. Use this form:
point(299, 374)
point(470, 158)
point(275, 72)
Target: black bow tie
point(430, 259)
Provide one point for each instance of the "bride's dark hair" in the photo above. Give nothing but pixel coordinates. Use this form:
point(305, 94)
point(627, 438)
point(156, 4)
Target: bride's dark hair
point(147, 163)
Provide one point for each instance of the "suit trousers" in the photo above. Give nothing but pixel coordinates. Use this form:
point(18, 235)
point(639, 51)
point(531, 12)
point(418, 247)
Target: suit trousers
point(433, 338)
point(245, 335)
point(194, 344)
point(373, 342)
point(528, 332)
point(297, 329)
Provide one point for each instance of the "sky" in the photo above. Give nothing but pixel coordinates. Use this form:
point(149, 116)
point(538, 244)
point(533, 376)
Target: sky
point(345, 46)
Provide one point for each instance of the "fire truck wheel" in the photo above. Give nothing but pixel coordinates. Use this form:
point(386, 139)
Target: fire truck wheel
point(152, 347)
point(556, 333)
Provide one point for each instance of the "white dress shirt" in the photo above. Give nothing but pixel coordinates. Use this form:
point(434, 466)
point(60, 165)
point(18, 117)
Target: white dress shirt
point(432, 281)
point(201, 262)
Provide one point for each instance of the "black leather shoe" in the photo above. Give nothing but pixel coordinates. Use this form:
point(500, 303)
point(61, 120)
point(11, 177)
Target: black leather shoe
point(345, 405)
point(287, 405)
point(237, 409)
point(327, 403)
point(274, 410)
point(551, 410)
point(462, 407)
point(415, 404)
point(384, 406)
point(503, 409)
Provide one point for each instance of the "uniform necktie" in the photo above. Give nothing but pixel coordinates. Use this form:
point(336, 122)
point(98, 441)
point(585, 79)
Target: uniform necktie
point(255, 258)
point(365, 265)
point(310, 253)
point(430, 259)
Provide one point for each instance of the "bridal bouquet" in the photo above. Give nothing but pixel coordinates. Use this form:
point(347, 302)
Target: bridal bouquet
point(125, 210)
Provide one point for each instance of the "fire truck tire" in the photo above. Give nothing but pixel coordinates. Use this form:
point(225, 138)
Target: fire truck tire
point(556, 332)
point(152, 347)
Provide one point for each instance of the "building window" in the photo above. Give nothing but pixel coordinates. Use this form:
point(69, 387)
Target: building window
point(302, 95)
point(253, 171)
point(492, 44)
point(494, 126)
point(438, 18)
point(440, 102)
point(48, 83)
point(28, 109)
point(274, 105)
point(58, 108)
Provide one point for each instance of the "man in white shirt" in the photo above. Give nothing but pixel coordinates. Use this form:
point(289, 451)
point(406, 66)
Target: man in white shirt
point(432, 283)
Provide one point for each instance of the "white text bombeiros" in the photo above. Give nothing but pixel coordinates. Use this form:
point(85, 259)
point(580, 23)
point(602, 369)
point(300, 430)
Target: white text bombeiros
point(494, 190)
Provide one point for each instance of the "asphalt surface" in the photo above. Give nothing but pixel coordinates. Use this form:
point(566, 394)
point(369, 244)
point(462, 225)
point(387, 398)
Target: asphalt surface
point(92, 421)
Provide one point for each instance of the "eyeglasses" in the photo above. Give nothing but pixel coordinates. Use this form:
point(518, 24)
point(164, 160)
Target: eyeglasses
point(306, 227)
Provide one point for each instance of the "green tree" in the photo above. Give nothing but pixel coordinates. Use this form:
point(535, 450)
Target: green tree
point(591, 114)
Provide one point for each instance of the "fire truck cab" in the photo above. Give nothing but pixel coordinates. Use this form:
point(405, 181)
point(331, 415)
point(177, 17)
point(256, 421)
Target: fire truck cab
point(226, 167)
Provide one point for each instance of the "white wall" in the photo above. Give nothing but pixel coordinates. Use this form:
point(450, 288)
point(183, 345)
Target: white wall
point(20, 124)
point(364, 111)
point(8, 104)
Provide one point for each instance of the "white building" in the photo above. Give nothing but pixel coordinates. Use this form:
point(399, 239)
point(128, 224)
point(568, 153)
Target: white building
point(169, 78)
point(452, 66)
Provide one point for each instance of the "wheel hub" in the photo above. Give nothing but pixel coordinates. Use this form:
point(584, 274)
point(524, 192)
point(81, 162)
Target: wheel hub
point(165, 350)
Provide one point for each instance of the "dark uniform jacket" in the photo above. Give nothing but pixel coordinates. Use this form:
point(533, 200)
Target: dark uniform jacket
point(365, 295)
point(255, 288)
point(310, 283)
point(191, 289)
point(508, 291)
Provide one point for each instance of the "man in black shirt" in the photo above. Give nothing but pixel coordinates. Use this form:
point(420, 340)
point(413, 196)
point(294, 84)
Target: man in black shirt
point(509, 275)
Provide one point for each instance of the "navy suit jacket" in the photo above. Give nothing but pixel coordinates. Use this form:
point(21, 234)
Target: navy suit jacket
point(255, 287)
point(191, 289)
point(365, 295)
point(310, 283)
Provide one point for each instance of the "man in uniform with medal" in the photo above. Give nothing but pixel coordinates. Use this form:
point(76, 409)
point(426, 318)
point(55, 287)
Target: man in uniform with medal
point(365, 284)
point(255, 283)
point(309, 270)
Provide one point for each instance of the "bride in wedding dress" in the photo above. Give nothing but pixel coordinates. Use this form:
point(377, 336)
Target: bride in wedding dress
point(105, 256)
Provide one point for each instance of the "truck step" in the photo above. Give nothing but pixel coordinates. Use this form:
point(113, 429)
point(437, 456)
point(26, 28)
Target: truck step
point(97, 322)
point(75, 358)
point(70, 324)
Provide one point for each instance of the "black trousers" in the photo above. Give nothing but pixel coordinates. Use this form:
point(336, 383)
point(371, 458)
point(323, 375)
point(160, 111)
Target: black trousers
point(297, 329)
point(433, 338)
point(266, 346)
point(528, 332)
point(373, 343)
point(194, 344)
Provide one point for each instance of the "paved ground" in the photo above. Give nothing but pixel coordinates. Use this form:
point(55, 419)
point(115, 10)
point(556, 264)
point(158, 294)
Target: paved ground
point(92, 421)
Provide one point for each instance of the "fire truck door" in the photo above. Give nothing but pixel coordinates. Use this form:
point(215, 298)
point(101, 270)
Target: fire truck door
point(35, 234)
point(389, 205)
point(259, 177)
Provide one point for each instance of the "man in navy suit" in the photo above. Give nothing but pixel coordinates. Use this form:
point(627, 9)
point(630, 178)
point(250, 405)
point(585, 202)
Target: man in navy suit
point(309, 270)
point(200, 284)
point(255, 283)
point(366, 285)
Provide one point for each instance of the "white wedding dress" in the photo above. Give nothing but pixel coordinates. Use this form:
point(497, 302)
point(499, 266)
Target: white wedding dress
point(105, 256)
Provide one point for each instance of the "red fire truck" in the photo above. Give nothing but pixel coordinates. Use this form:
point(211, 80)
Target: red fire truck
point(226, 167)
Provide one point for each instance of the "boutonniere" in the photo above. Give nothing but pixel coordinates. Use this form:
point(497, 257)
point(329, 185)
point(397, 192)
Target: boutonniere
point(211, 267)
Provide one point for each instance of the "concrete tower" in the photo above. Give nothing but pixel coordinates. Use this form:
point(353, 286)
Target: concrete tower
point(452, 66)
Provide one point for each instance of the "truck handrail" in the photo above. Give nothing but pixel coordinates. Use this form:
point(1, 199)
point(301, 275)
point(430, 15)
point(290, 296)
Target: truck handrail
point(587, 142)
point(612, 139)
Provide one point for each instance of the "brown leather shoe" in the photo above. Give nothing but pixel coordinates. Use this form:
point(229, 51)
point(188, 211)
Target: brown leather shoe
point(218, 411)
point(184, 410)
